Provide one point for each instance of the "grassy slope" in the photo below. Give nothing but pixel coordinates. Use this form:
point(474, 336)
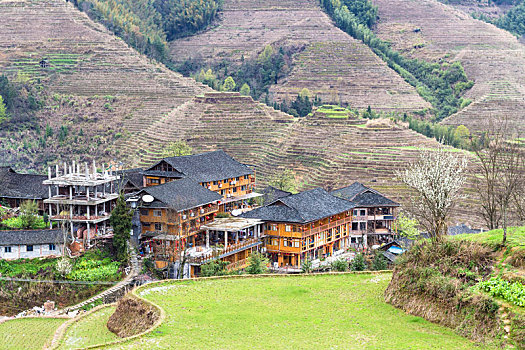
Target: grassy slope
point(28, 333)
point(90, 330)
point(301, 312)
point(515, 237)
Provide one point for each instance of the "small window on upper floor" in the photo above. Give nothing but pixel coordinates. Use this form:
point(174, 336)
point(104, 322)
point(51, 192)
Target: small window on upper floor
point(7, 249)
point(362, 212)
point(52, 247)
point(29, 248)
point(288, 228)
point(157, 213)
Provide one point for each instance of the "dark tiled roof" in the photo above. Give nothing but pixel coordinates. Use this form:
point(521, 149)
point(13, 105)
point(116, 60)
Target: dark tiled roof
point(462, 229)
point(180, 195)
point(23, 186)
point(14, 237)
point(171, 174)
point(303, 207)
point(132, 176)
point(209, 166)
point(271, 194)
point(363, 196)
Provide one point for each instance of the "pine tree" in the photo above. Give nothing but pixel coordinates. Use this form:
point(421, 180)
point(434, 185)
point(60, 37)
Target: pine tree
point(121, 222)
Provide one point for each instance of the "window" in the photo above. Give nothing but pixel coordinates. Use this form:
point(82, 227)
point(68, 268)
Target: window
point(296, 244)
point(243, 188)
point(8, 249)
point(285, 242)
point(236, 179)
point(144, 212)
point(154, 181)
point(355, 212)
point(215, 183)
point(362, 226)
point(275, 242)
point(235, 189)
point(157, 213)
point(363, 212)
point(52, 247)
point(288, 228)
point(273, 227)
point(355, 226)
point(222, 192)
point(29, 248)
point(158, 227)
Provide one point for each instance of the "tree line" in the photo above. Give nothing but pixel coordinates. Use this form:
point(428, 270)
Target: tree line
point(512, 21)
point(147, 25)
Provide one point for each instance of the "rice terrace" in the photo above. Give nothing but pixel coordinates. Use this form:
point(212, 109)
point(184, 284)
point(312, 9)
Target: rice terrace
point(262, 174)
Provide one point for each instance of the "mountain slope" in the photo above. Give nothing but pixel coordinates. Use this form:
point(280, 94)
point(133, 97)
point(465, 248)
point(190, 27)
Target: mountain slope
point(91, 81)
point(492, 57)
point(331, 64)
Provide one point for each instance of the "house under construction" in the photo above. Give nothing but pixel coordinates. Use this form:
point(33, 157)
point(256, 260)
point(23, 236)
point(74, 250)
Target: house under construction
point(81, 198)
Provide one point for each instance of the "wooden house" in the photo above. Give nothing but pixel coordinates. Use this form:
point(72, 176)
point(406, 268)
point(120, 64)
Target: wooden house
point(16, 188)
point(373, 213)
point(216, 171)
point(309, 225)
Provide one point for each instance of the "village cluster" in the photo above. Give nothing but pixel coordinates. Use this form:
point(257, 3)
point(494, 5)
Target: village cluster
point(205, 205)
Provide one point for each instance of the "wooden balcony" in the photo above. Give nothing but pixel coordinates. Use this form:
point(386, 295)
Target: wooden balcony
point(325, 227)
point(231, 249)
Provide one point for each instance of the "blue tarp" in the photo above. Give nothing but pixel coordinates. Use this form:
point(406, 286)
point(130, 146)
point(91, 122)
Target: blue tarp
point(395, 250)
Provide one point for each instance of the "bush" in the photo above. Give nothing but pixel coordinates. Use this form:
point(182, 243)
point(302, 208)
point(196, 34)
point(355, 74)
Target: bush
point(20, 223)
point(358, 263)
point(379, 262)
point(339, 265)
point(257, 264)
point(214, 268)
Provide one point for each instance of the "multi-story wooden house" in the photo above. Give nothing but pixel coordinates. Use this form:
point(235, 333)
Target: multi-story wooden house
point(373, 214)
point(308, 225)
point(16, 188)
point(216, 171)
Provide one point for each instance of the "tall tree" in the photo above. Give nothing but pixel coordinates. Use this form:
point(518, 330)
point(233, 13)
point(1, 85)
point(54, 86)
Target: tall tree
point(176, 149)
point(284, 181)
point(120, 220)
point(436, 178)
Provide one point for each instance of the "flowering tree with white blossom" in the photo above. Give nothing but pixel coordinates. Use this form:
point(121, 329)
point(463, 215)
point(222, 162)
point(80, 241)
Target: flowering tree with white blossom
point(436, 179)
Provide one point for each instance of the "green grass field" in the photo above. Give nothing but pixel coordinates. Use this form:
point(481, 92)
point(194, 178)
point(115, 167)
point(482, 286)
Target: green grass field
point(28, 333)
point(515, 237)
point(298, 312)
point(89, 330)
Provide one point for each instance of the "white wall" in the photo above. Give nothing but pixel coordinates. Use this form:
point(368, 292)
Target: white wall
point(20, 251)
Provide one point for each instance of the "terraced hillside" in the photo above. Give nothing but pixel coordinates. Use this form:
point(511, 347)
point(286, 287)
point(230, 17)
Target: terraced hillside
point(90, 79)
point(322, 151)
point(493, 58)
point(332, 65)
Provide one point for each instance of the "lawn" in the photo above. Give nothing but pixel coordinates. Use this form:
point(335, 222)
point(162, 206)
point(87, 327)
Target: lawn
point(296, 312)
point(515, 237)
point(28, 333)
point(89, 330)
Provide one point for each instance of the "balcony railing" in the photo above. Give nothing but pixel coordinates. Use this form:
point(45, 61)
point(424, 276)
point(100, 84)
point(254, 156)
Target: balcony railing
point(224, 252)
point(325, 227)
point(237, 265)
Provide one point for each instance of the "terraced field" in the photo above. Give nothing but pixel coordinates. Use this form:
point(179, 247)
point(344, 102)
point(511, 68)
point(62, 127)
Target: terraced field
point(332, 65)
point(493, 58)
point(322, 151)
point(108, 85)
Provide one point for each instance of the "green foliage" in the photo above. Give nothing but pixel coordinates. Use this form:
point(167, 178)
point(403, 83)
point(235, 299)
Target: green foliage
point(214, 268)
point(257, 264)
point(513, 292)
point(307, 266)
point(405, 226)
point(339, 265)
point(229, 84)
point(120, 220)
point(440, 84)
point(95, 270)
point(513, 20)
point(176, 149)
point(358, 263)
point(21, 223)
point(223, 215)
point(284, 181)
point(146, 25)
point(245, 90)
point(379, 263)
point(3, 110)
point(364, 11)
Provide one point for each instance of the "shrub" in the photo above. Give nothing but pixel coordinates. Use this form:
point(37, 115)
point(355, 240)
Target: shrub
point(379, 262)
point(358, 263)
point(339, 265)
point(257, 264)
point(214, 268)
point(513, 292)
point(306, 267)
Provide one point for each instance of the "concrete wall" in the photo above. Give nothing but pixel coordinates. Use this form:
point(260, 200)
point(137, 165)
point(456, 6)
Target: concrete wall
point(39, 250)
